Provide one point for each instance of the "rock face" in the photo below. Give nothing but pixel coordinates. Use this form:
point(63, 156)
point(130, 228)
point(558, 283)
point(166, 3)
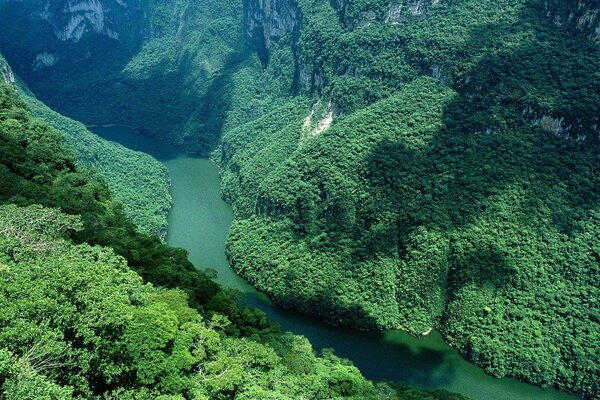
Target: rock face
point(392, 12)
point(399, 11)
point(581, 15)
point(62, 33)
point(6, 72)
point(268, 20)
point(271, 19)
point(71, 20)
point(561, 127)
point(44, 60)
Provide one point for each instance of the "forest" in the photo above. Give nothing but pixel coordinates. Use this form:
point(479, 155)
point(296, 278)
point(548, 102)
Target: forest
point(457, 187)
point(391, 164)
point(111, 313)
point(138, 181)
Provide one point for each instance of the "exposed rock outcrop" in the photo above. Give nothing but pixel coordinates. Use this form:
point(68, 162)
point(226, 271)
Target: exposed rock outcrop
point(398, 12)
point(268, 20)
point(71, 20)
point(318, 121)
point(395, 12)
point(68, 35)
point(271, 19)
point(561, 127)
point(44, 60)
point(6, 72)
point(581, 15)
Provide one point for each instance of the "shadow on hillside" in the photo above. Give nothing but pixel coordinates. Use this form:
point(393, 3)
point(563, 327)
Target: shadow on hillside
point(379, 355)
point(489, 162)
point(212, 107)
point(488, 179)
point(167, 89)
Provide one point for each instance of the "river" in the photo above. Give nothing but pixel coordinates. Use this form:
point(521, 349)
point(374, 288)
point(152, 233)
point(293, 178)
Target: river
point(199, 222)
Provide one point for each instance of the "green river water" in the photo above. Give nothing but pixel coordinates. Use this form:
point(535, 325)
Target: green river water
point(199, 222)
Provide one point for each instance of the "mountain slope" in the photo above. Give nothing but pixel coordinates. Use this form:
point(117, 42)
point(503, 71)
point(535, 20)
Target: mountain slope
point(139, 181)
point(465, 201)
point(77, 320)
point(392, 164)
point(182, 55)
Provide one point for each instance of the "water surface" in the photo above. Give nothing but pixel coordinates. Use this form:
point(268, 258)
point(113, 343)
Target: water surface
point(199, 222)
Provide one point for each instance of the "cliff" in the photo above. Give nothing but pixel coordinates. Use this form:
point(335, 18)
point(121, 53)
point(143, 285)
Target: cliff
point(71, 20)
point(270, 19)
point(356, 15)
point(582, 16)
point(73, 31)
point(6, 72)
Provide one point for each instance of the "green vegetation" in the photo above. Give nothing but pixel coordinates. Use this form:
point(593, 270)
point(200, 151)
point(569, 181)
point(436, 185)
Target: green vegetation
point(90, 327)
point(39, 168)
point(457, 186)
point(393, 229)
point(139, 181)
point(466, 202)
point(179, 82)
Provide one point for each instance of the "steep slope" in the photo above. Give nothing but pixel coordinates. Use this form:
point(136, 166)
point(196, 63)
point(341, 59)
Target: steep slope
point(78, 322)
point(139, 181)
point(465, 201)
point(406, 164)
point(62, 48)
point(188, 57)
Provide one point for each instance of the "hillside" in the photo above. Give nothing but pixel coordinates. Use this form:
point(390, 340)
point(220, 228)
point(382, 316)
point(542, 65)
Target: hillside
point(90, 327)
point(457, 186)
point(179, 54)
point(136, 179)
point(392, 164)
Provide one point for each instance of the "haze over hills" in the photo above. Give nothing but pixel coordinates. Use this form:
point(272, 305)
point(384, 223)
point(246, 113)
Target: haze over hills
point(137, 180)
point(406, 164)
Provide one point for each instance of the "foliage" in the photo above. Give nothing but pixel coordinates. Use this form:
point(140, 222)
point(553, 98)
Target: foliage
point(90, 328)
point(136, 179)
point(192, 62)
point(448, 202)
point(78, 322)
point(457, 187)
point(37, 167)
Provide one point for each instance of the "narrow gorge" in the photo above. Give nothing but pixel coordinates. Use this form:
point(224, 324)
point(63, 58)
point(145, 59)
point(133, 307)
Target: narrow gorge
point(414, 183)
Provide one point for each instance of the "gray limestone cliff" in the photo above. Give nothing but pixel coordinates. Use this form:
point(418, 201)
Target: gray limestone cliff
point(271, 19)
point(6, 73)
point(71, 20)
point(266, 21)
point(72, 30)
point(385, 11)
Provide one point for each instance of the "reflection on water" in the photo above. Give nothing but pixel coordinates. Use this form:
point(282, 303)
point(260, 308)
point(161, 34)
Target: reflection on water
point(199, 222)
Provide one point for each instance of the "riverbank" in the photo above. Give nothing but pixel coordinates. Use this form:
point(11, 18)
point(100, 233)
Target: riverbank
point(199, 221)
